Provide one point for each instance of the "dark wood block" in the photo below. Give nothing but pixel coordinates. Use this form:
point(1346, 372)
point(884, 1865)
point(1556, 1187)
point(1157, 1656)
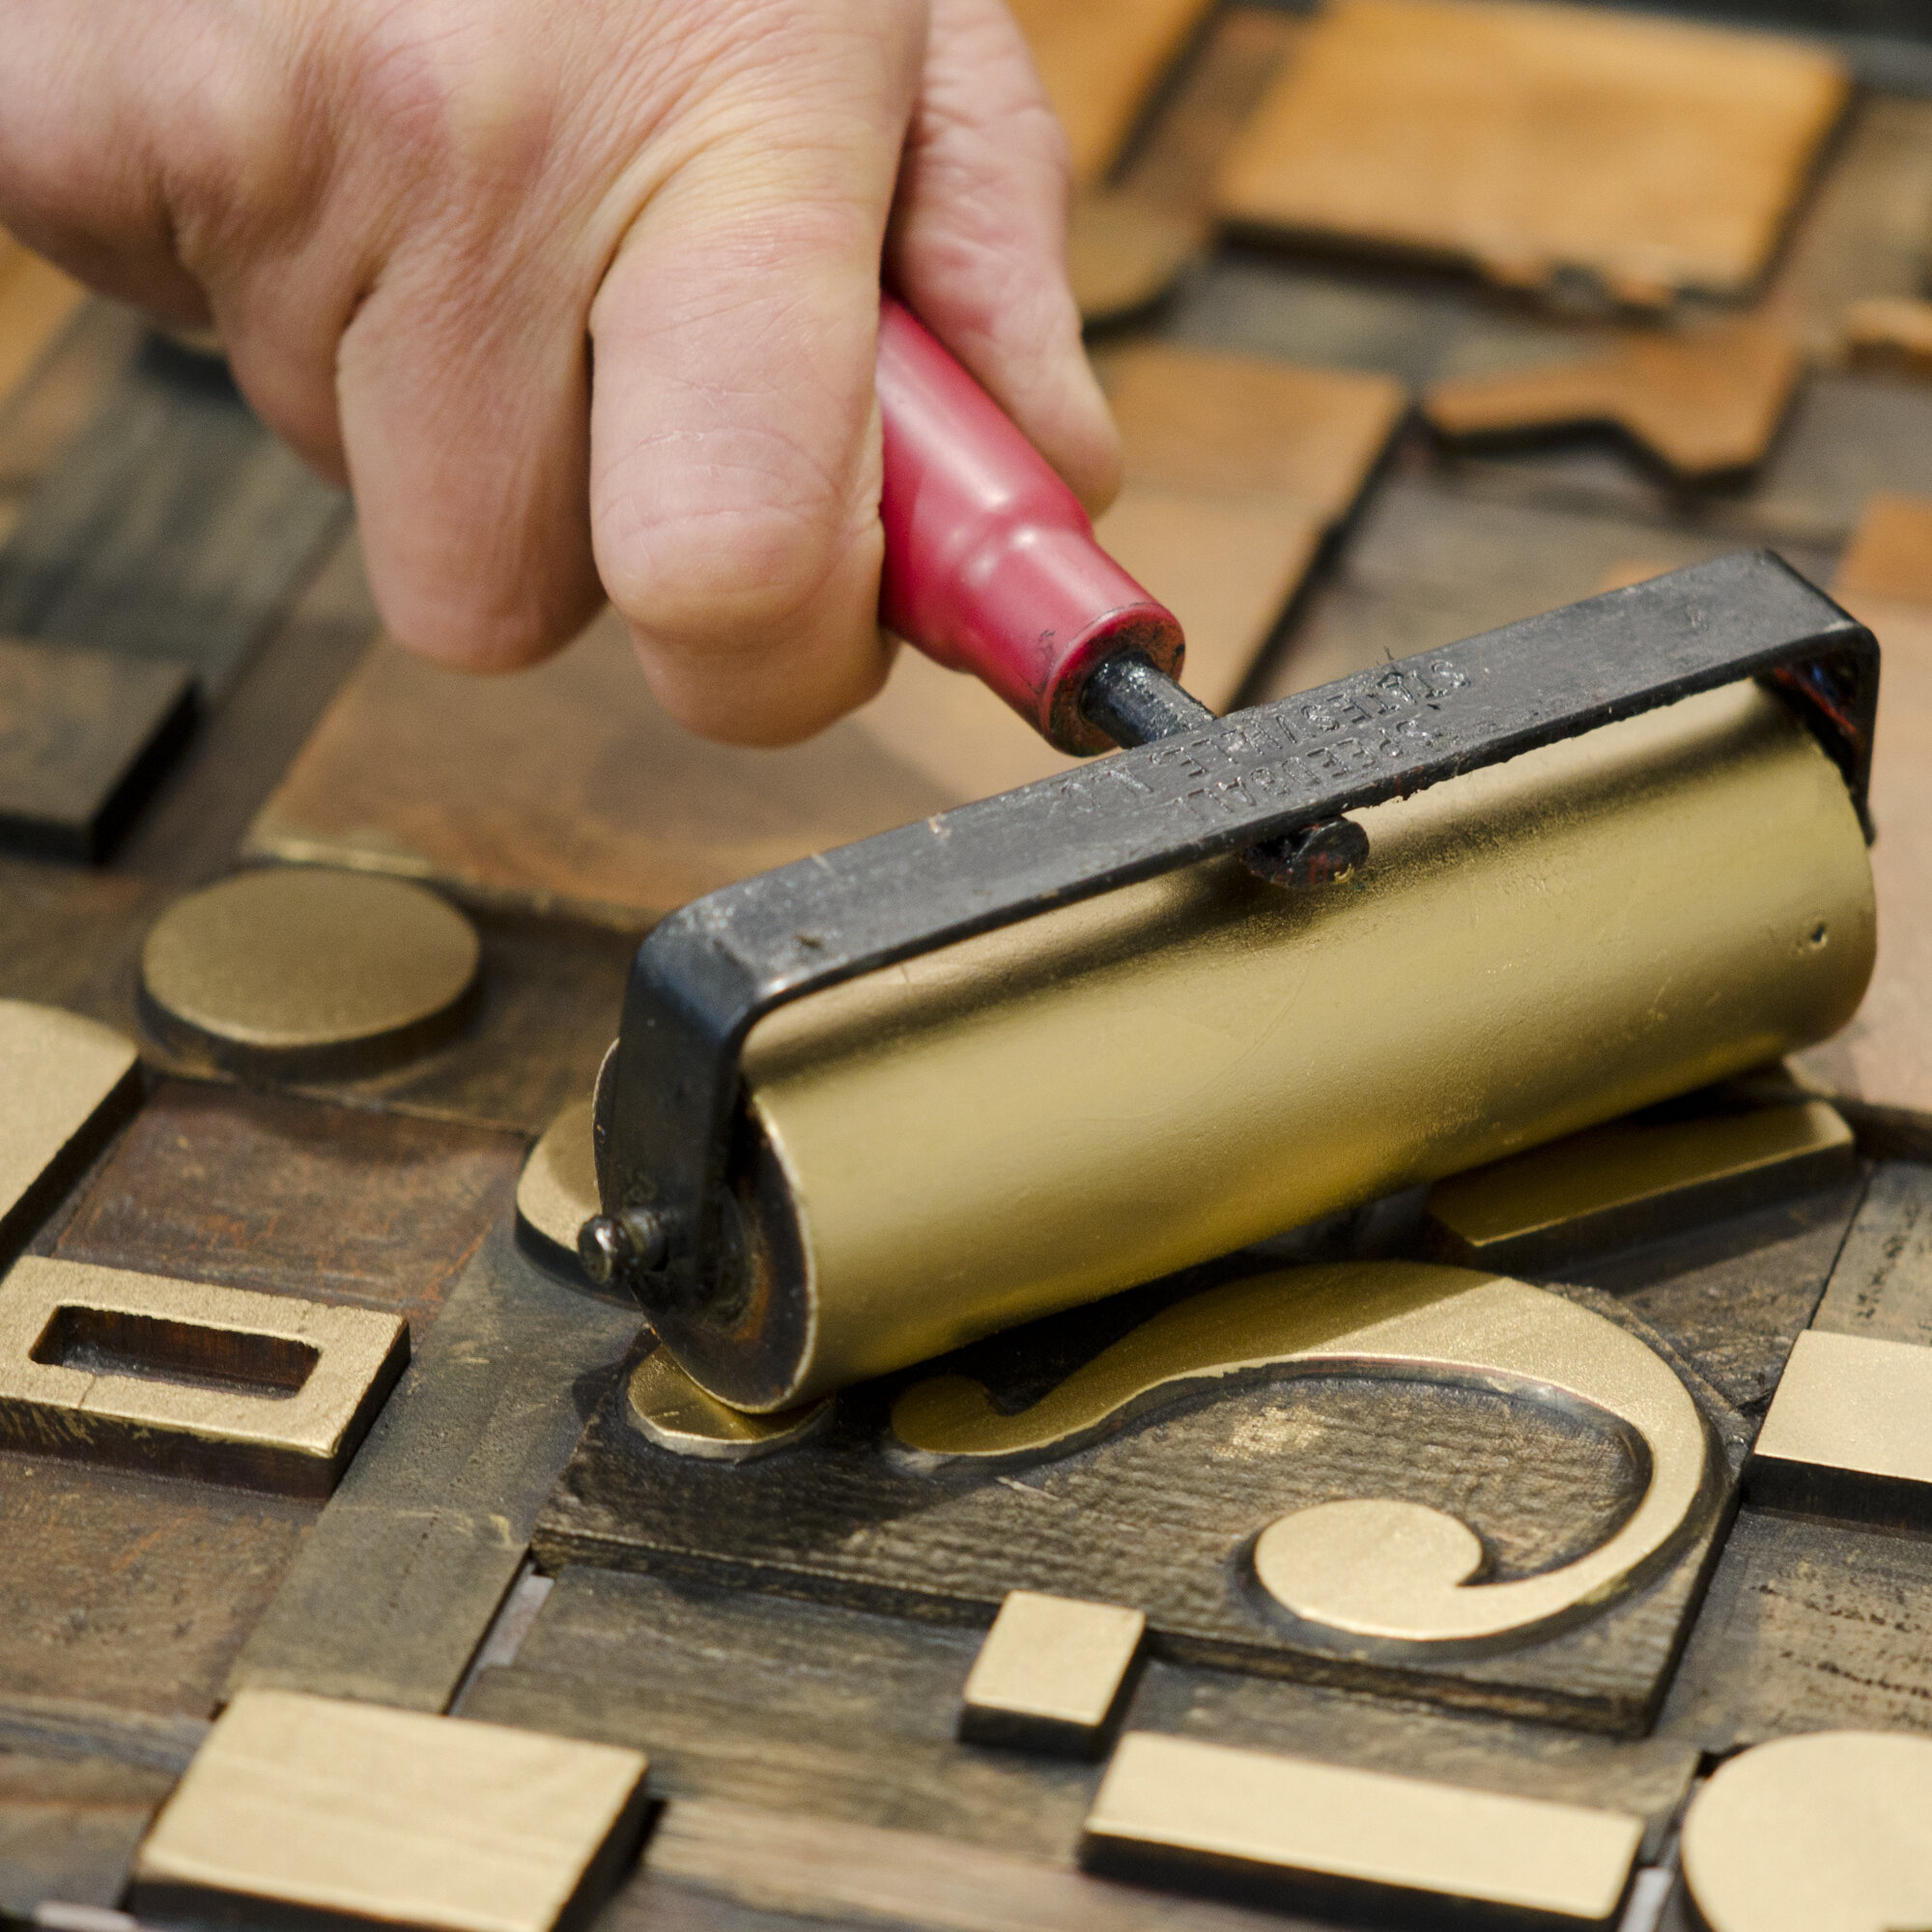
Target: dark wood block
point(1808, 1626)
point(83, 737)
point(69, 1828)
point(1882, 1284)
point(415, 1549)
point(1157, 1518)
point(175, 528)
point(261, 1191)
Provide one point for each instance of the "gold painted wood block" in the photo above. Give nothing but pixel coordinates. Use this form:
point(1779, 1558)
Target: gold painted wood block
point(1849, 1432)
point(1831, 1833)
point(304, 971)
point(1546, 145)
point(1632, 1180)
point(1705, 402)
point(266, 1390)
point(666, 1407)
point(557, 1192)
point(66, 1085)
point(1319, 1835)
point(1053, 1675)
point(316, 1810)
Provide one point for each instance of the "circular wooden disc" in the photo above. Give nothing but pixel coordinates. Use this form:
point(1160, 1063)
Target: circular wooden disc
point(300, 971)
point(557, 1193)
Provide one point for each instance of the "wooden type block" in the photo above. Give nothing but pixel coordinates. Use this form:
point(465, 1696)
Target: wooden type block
point(1830, 1834)
point(69, 1083)
point(666, 1408)
point(175, 529)
point(301, 972)
point(84, 735)
point(741, 1698)
point(263, 1191)
point(1125, 253)
point(399, 1582)
point(566, 790)
point(69, 1827)
point(1849, 1434)
point(37, 302)
point(1705, 402)
point(846, 1520)
point(1808, 1626)
point(1635, 1179)
point(1539, 144)
point(1101, 61)
point(1053, 1675)
point(1175, 1810)
point(310, 1810)
point(557, 1193)
point(1889, 558)
point(270, 1391)
point(1881, 1285)
point(1890, 332)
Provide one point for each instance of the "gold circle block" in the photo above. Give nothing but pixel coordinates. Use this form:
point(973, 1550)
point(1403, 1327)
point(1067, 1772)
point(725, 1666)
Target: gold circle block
point(300, 971)
point(557, 1192)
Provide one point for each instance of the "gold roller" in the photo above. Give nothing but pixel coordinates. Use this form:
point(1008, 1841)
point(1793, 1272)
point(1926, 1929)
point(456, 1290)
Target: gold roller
point(1043, 1115)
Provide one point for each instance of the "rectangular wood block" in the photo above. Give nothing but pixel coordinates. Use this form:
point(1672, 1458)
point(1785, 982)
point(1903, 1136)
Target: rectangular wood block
point(1052, 1674)
point(1101, 61)
point(1539, 143)
point(312, 1810)
point(565, 789)
point(270, 1391)
point(84, 735)
point(1320, 1837)
point(1881, 1285)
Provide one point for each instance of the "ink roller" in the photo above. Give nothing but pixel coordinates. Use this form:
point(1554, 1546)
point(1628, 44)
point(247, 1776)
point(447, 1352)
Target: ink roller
point(1235, 975)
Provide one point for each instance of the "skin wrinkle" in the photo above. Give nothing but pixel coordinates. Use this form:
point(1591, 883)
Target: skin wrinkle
point(419, 223)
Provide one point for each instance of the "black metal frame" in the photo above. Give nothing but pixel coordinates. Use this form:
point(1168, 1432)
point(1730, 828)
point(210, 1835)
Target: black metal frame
point(707, 974)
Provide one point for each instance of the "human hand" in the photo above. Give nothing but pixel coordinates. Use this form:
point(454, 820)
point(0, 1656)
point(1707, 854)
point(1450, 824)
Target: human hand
point(415, 223)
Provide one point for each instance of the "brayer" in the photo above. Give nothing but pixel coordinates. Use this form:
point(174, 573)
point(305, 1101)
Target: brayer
point(1239, 974)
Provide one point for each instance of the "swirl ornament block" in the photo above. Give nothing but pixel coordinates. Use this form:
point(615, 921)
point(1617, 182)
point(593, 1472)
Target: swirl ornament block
point(1825, 1833)
point(1375, 1567)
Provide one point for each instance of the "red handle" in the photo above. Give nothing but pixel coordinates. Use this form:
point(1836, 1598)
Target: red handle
point(991, 565)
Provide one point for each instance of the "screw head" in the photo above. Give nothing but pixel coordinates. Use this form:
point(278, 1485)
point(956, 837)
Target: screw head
point(616, 1247)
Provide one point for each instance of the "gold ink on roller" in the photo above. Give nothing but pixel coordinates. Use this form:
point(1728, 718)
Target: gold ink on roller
point(1043, 1115)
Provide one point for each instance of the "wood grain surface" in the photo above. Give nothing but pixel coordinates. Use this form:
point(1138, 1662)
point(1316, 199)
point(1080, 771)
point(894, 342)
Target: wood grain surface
point(1101, 61)
point(1543, 144)
point(1880, 1286)
point(69, 1827)
point(1705, 402)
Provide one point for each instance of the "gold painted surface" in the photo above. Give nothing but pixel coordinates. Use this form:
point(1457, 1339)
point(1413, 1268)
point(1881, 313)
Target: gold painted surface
point(1372, 1567)
point(1633, 1173)
point(1036, 1118)
point(388, 1815)
point(284, 959)
point(557, 1192)
point(1053, 1659)
point(1825, 1833)
point(1854, 1405)
point(669, 1409)
point(57, 1071)
point(135, 1365)
point(1367, 1830)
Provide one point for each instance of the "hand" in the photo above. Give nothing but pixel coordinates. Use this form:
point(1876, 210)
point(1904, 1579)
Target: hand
point(577, 292)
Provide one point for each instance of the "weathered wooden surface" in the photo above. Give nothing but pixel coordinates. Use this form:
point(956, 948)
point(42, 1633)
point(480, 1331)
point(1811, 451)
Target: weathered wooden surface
point(83, 737)
point(1809, 1627)
point(1545, 145)
point(408, 1562)
point(259, 1191)
point(1882, 1284)
point(69, 1827)
point(746, 1699)
point(843, 1521)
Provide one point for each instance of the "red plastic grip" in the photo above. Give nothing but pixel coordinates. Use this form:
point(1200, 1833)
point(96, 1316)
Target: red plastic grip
point(991, 566)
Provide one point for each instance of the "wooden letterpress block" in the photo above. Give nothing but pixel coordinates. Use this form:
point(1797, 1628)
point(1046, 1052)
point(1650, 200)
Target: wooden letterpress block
point(309, 1810)
point(1053, 1675)
point(267, 1390)
point(1543, 144)
point(1320, 1837)
point(83, 737)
